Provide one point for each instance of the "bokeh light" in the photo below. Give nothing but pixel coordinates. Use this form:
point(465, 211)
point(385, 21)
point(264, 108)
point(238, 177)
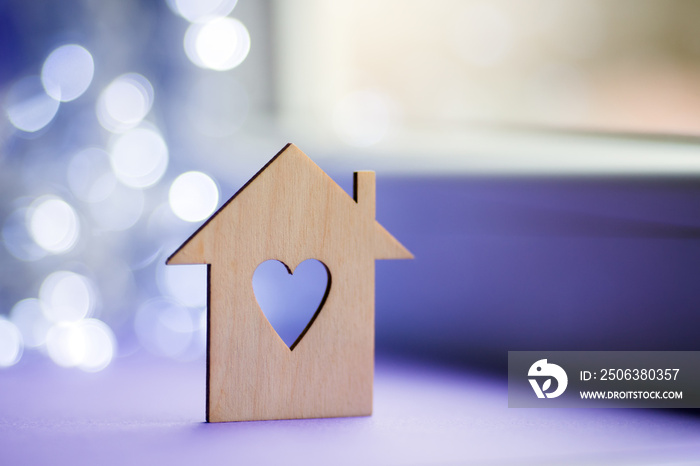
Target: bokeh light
point(67, 72)
point(89, 175)
point(27, 105)
point(17, 238)
point(139, 157)
point(66, 297)
point(125, 102)
point(29, 317)
point(363, 118)
point(198, 10)
point(118, 289)
point(11, 346)
point(162, 221)
point(65, 345)
point(119, 210)
point(53, 224)
point(193, 196)
point(100, 345)
point(88, 344)
point(166, 328)
point(219, 44)
point(217, 105)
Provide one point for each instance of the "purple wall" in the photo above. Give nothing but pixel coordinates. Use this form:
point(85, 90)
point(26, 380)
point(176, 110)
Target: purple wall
point(529, 264)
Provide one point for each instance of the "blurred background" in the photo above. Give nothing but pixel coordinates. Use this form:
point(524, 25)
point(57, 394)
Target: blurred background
point(539, 158)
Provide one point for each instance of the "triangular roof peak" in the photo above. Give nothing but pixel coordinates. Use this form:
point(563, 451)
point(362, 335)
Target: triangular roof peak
point(293, 161)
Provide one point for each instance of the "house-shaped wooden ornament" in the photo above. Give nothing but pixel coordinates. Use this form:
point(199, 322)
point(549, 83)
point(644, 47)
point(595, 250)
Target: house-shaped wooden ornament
point(291, 211)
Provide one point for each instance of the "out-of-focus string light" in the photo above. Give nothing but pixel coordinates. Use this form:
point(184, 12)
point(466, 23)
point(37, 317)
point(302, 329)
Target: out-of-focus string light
point(89, 175)
point(118, 211)
point(199, 10)
point(53, 224)
point(219, 44)
point(125, 102)
point(65, 345)
point(102, 187)
point(29, 317)
point(139, 157)
point(168, 329)
point(27, 105)
point(11, 346)
point(87, 344)
point(162, 221)
point(67, 72)
point(100, 343)
point(66, 297)
point(193, 196)
point(17, 239)
point(117, 288)
point(214, 113)
point(363, 118)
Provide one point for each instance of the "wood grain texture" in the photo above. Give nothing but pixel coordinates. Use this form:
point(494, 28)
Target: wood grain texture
point(291, 211)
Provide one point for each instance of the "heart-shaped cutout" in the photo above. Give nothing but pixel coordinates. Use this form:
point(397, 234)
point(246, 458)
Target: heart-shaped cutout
point(291, 299)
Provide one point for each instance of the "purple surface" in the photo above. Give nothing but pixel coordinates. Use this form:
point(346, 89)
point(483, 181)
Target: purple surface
point(148, 411)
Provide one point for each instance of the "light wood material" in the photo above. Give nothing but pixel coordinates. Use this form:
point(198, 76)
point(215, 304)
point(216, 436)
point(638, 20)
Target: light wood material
point(291, 211)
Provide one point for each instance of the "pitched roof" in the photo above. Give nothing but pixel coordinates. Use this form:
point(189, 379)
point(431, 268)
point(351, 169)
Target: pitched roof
point(385, 245)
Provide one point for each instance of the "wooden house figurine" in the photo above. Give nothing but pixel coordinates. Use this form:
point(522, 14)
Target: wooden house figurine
point(291, 211)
